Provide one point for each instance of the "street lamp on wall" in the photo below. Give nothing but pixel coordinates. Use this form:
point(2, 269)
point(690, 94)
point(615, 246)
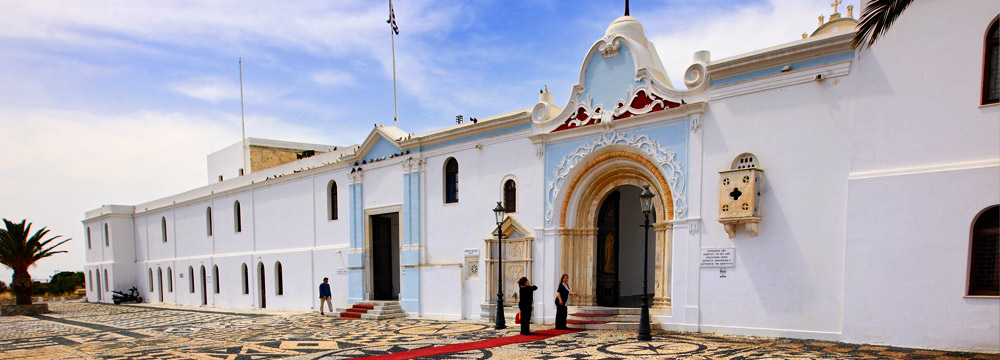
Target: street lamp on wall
point(500, 213)
point(646, 200)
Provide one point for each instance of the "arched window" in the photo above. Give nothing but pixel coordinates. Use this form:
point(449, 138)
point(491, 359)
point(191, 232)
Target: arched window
point(246, 280)
point(208, 220)
point(88, 238)
point(332, 198)
point(237, 216)
point(90, 279)
point(191, 278)
point(510, 195)
point(215, 276)
point(107, 237)
point(451, 181)
point(170, 279)
point(151, 289)
point(163, 228)
point(984, 270)
point(991, 63)
point(279, 286)
point(106, 287)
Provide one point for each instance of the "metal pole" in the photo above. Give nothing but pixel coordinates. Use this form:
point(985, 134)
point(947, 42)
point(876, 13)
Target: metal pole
point(395, 103)
point(501, 323)
point(243, 120)
point(644, 331)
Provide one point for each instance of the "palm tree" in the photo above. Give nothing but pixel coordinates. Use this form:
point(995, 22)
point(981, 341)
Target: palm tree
point(19, 251)
point(876, 19)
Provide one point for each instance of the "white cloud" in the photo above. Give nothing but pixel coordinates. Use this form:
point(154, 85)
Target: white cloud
point(208, 89)
point(334, 78)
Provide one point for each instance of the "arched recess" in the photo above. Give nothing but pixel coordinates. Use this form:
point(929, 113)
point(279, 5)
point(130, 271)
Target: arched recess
point(595, 178)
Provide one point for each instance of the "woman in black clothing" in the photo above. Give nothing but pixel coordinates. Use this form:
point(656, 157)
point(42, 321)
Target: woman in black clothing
point(562, 299)
point(524, 303)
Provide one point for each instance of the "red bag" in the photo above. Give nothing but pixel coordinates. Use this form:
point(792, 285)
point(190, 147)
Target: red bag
point(517, 318)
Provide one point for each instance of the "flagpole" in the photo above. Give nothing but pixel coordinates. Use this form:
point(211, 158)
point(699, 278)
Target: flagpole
point(395, 102)
point(243, 121)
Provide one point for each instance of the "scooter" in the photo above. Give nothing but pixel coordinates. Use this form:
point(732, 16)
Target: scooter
point(133, 296)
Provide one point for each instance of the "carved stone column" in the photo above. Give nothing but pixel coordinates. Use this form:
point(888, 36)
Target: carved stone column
point(577, 260)
point(661, 291)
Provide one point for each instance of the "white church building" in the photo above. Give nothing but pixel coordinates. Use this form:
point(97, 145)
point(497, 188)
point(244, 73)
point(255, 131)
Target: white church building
point(807, 190)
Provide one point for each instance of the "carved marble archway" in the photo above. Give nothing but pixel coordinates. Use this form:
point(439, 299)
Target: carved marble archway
point(597, 179)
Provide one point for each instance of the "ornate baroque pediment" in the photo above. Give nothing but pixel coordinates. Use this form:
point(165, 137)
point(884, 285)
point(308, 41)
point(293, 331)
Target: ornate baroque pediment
point(621, 77)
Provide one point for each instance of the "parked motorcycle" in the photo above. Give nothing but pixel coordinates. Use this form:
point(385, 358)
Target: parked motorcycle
point(133, 296)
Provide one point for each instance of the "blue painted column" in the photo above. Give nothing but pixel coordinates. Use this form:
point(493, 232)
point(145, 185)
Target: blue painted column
point(409, 297)
point(356, 254)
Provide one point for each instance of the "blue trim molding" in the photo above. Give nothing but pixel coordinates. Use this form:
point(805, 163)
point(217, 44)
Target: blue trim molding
point(829, 59)
point(409, 295)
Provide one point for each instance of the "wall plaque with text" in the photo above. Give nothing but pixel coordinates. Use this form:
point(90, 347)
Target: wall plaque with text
point(717, 258)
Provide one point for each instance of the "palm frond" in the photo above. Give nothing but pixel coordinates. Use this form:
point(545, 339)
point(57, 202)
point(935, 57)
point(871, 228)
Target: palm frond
point(876, 20)
point(19, 248)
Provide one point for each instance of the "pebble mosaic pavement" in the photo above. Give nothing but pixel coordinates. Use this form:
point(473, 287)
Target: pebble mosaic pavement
point(97, 331)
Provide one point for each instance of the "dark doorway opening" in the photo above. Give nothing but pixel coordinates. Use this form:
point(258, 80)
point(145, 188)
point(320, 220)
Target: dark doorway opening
point(260, 275)
point(204, 293)
point(385, 256)
point(607, 251)
point(159, 282)
point(620, 250)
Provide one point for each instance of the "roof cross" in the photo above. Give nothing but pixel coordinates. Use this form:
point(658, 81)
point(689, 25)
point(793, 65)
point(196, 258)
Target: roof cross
point(834, 5)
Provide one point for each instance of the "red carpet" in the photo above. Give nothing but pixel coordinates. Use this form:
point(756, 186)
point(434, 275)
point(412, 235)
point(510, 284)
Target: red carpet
point(482, 344)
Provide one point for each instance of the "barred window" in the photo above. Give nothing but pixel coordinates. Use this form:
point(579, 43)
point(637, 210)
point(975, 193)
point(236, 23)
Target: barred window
point(991, 64)
point(984, 254)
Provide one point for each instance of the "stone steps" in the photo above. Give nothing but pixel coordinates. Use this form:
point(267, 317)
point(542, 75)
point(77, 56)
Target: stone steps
point(605, 318)
point(373, 310)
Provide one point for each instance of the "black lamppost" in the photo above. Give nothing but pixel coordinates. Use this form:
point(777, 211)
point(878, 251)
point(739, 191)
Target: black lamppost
point(646, 200)
point(501, 323)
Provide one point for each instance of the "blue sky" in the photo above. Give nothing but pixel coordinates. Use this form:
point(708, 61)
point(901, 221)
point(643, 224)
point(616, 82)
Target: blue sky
point(119, 102)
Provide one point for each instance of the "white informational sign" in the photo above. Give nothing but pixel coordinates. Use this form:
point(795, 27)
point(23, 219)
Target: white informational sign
point(472, 252)
point(342, 271)
point(717, 258)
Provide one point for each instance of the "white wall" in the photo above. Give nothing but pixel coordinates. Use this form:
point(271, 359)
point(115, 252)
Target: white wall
point(448, 229)
point(288, 208)
point(332, 232)
point(924, 158)
point(326, 262)
point(907, 262)
point(788, 280)
point(192, 231)
point(227, 240)
point(226, 162)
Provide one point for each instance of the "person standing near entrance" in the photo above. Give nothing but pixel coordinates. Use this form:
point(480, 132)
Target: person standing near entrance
point(324, 296)
point(562, 300)
point(526, 295)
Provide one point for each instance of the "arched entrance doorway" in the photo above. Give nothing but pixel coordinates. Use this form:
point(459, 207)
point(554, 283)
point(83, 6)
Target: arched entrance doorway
point(263, 289)
point(601, 240)
point(620, 249)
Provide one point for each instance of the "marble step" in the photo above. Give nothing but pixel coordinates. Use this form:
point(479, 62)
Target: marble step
point(604, 317)
point(604, 310)
point(629, 326)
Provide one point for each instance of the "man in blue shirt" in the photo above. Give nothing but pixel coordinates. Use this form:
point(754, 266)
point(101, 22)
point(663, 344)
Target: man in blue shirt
point(324, 295)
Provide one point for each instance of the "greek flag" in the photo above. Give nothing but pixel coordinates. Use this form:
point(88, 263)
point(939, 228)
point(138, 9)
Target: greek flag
point(392, 19)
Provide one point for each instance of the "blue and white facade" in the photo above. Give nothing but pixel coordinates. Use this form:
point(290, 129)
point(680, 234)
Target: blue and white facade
point(876, 165)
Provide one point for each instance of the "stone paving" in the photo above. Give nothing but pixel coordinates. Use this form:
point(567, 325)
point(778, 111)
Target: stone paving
point(97, 331)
